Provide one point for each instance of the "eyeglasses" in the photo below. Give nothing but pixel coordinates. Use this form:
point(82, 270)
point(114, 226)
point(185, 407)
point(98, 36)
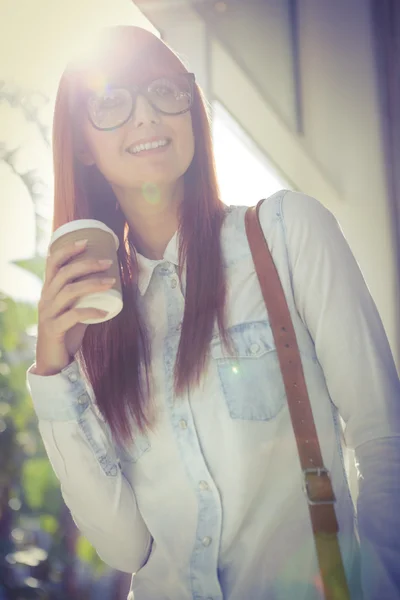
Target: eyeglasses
point(169, 95)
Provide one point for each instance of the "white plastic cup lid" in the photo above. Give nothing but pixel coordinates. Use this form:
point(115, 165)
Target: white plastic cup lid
point(109, 300)
point(82, 224)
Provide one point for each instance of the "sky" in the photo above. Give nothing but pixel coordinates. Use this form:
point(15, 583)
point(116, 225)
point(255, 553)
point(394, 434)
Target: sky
point(37, 39)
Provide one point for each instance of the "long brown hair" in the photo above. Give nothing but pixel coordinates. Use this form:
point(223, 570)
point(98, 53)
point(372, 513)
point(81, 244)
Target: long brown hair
point(115, 355)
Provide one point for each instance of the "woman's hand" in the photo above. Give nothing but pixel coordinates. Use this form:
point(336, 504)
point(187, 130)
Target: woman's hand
point(60, 331)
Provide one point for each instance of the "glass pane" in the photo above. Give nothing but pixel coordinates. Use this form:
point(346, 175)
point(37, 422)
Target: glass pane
point(244, 173)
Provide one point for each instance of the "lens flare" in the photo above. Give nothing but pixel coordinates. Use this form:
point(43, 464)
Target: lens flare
point(97, 82)
point(151, 193)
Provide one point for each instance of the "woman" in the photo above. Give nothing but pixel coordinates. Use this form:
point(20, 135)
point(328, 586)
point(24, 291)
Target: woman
point(167, 426)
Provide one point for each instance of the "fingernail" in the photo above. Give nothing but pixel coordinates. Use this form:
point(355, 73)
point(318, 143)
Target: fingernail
point(108, 280)
point(80, 243)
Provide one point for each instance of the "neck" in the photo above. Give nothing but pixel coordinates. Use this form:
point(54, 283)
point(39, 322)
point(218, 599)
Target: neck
point(153, 216)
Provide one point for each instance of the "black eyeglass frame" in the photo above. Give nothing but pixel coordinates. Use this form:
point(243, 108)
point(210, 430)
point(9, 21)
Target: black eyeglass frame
point(140, 89)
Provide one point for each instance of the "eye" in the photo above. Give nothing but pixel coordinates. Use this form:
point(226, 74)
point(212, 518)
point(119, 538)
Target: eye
point(110, 100)
point(165, 89)
point(171, 95)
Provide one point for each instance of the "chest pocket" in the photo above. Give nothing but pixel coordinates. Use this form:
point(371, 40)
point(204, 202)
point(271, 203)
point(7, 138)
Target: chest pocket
point(251, 379)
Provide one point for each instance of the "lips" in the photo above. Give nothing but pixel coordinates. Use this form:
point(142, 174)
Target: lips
point(148, 144)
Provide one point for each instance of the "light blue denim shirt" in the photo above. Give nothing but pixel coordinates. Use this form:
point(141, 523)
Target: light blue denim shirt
point(210, 505)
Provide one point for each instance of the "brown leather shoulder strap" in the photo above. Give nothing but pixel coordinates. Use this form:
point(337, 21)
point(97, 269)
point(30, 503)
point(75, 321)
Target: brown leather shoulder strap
point(315, 477)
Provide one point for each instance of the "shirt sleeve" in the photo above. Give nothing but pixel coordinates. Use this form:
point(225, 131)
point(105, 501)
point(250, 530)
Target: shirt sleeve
point(83, 457)
point(335, 304)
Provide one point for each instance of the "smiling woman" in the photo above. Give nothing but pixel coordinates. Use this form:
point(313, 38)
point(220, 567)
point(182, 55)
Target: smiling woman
point(167, 424)
point(163, 103)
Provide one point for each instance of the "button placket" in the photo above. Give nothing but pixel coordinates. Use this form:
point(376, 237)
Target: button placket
point(204, 557)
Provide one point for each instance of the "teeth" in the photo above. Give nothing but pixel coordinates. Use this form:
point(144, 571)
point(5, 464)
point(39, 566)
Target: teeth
point(147, 146)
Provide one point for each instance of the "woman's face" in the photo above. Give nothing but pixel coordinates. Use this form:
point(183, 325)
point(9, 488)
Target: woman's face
point(118, 156)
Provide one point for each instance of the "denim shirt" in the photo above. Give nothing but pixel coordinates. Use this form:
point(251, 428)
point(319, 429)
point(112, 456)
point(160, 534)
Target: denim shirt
point(210, 505)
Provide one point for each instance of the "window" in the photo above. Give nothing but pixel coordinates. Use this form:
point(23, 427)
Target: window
point(244, 174)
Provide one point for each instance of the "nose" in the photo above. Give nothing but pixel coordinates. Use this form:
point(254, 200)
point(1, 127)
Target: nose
point(144, 113)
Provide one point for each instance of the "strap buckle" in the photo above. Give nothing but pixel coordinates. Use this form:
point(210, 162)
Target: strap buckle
point(320, 491)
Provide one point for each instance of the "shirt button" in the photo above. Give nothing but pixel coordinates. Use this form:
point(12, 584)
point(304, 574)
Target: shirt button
point(203, 485)
point(206, 541)
point(254, 348)
point(182, 424)
point(73, 377)
point(82, 398)
point(174, 283)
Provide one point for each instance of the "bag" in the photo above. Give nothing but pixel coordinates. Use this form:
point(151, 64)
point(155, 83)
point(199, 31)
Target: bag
point(316, 479)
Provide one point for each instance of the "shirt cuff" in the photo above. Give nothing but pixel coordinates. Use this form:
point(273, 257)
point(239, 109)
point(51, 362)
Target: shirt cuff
point(59, 397)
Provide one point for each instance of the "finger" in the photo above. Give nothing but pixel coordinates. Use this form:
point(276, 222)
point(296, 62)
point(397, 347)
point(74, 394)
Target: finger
point(59, 257)
point(68, 319)
point(72, 292)
point(68, 273)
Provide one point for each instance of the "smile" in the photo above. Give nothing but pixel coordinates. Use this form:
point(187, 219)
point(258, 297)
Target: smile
point(154, 145)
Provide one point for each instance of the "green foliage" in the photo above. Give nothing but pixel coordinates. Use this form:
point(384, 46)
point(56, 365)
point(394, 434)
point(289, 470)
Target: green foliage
point(15, 318)
point(15, 347)
point(37, 480)
point(9, 326)
point(86, 553)
point(24, 466)
point(49, 524)
point(35, 265)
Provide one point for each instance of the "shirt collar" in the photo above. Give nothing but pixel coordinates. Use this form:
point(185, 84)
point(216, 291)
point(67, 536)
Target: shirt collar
point(147, 265)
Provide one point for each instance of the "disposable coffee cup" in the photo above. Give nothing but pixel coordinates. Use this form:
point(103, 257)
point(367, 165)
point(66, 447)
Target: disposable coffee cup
point(102, 244)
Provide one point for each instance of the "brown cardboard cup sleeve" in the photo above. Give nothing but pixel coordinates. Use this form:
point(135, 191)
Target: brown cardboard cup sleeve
point(102, 243)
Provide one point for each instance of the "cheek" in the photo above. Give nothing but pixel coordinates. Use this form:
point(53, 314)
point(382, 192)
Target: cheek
point(103, 146)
